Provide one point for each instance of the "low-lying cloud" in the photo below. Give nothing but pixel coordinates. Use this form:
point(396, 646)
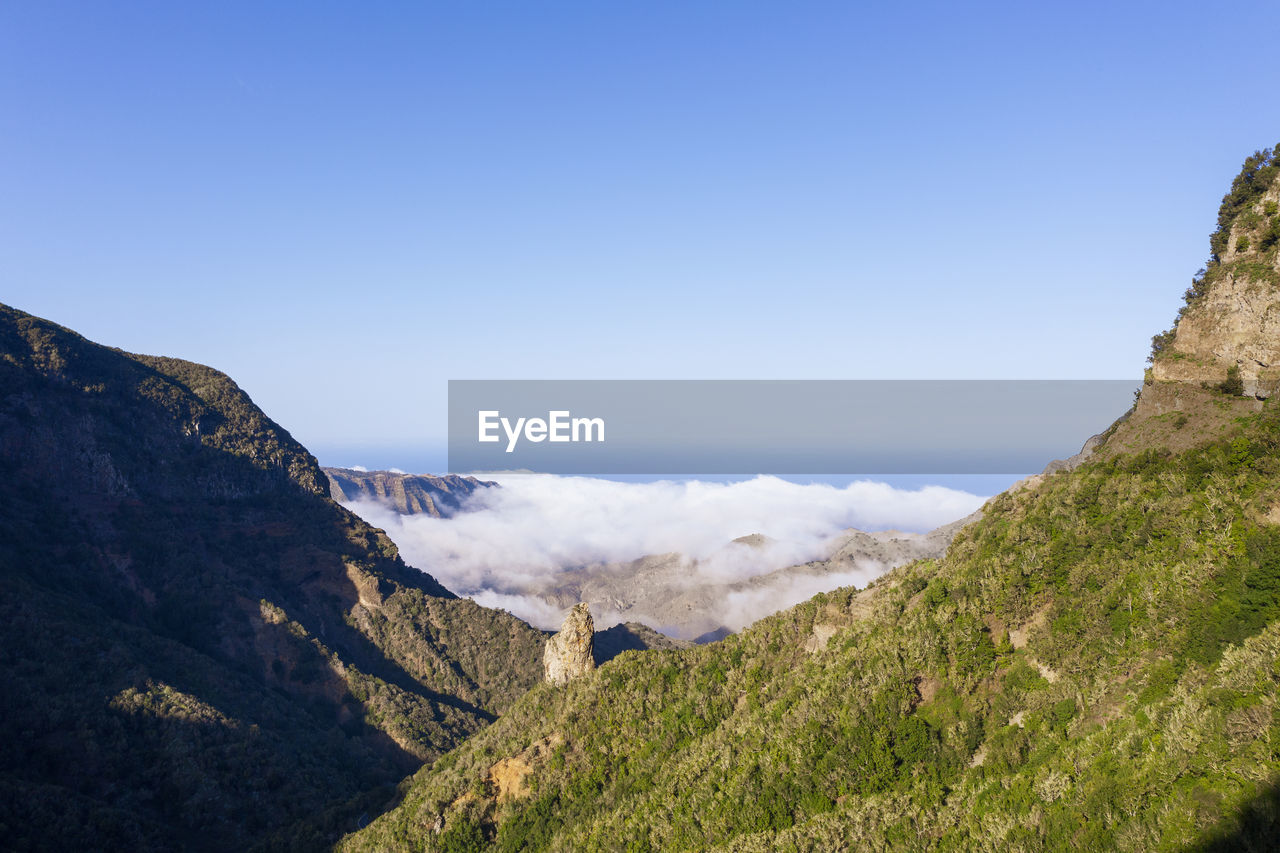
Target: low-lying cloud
point(511, 543)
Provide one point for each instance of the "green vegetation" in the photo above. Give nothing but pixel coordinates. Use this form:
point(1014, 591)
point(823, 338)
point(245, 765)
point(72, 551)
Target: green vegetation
point(1271, 236)
point(1161, 343)
point(200, 649)
point(1233, 385)
point(1094, 665)
point(1254, 179)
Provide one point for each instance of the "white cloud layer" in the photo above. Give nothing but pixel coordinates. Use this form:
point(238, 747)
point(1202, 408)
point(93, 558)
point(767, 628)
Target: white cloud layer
point(523, 535)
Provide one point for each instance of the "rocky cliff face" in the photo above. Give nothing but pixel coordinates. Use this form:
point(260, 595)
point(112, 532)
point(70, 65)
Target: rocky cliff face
point(569, 654)
point(407, 494)
point(1232, 316)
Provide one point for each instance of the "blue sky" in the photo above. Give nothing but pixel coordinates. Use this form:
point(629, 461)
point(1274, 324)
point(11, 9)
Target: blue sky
point(343, 207)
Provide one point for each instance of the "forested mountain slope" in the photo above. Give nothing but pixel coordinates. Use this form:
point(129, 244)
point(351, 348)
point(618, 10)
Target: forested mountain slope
point(1092, 665)
point(200, 649)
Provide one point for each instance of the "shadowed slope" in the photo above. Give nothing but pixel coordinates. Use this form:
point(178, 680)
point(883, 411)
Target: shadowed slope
point(201, 649)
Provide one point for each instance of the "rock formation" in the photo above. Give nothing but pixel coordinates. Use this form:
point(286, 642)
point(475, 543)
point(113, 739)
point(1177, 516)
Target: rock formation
point(1232, 317)
point(569, 654)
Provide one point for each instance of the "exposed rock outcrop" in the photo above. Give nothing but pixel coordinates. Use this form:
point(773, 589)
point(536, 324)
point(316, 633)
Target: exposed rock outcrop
point(1232, 316)
point(568, 654)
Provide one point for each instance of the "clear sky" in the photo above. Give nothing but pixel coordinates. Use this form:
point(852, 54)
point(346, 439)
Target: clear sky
point(345, 205)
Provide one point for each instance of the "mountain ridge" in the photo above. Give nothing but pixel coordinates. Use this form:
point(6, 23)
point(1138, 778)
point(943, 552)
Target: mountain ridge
point(203, 650)
point(408, 494)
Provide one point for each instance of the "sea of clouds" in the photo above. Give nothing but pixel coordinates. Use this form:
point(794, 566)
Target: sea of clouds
point(518, 538)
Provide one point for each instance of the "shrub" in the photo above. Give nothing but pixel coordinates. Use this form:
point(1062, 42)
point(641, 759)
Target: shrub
point(1254, 179)
point(1062, 714)
point(463, 837)
point(1161, 342)
point(1271, 236)
point(1199, 286)
point(1233, 385)
point(936, 593)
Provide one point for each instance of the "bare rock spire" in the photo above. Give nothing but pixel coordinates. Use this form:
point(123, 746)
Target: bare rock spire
point(568, 654)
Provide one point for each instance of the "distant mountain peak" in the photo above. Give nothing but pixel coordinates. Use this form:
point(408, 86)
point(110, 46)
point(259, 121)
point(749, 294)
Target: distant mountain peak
point(407, 494)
